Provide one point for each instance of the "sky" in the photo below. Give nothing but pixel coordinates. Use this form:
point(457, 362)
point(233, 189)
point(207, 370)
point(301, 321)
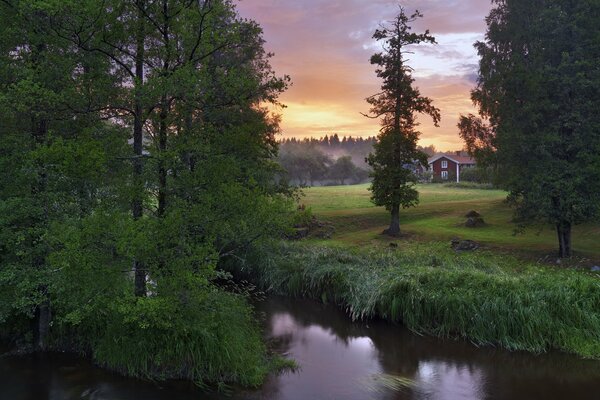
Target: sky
point(325, 47)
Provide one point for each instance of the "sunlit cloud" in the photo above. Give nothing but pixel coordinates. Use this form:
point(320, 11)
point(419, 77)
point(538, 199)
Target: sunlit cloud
point(325, 46)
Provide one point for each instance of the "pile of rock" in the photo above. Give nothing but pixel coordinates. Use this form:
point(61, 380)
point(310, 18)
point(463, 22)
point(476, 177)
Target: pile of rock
point(474, 220)
point(464, 245)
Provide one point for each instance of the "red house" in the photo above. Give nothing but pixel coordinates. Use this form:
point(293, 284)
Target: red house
point(448, 167)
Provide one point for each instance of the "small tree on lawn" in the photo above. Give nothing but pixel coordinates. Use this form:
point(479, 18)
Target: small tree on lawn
point(397, 105)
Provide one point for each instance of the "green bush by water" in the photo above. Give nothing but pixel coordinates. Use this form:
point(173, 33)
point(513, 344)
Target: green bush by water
point(209, 340)
point(485, 298)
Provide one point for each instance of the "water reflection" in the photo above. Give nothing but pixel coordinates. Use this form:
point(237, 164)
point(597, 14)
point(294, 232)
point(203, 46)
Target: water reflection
point(378, 361)
point(339, 360)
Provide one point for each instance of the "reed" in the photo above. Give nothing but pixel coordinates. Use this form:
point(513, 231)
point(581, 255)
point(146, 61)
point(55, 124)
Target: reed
point(486, 298)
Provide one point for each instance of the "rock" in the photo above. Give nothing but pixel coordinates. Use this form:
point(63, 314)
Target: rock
point(474, 222)
point(464, 245)
point(472, 214)
point(299, 233)
point(595, 268)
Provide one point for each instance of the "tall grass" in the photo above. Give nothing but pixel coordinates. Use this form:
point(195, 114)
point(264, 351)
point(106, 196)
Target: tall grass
point(208, 336)
point(485, 298)
point(217, 342)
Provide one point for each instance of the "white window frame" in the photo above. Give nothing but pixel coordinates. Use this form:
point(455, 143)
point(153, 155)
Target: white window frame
point(445, 175)
point(444, 164)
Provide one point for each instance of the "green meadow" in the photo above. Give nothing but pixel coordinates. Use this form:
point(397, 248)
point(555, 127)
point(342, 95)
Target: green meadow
point(440, 216)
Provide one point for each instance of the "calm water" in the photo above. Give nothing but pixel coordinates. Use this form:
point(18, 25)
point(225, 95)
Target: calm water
point(339, 360)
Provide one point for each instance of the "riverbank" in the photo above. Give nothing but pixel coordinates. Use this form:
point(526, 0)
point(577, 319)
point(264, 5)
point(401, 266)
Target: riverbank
point(338, 359)
point(481, 297)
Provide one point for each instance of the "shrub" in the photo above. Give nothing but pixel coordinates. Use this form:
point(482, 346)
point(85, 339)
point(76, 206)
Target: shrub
point(208, 337)
point(475, 175)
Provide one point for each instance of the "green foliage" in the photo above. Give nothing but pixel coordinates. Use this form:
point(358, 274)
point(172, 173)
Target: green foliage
point(303, 217)
point(200, 335)
point(83, 214)
point(397, 105)
point(538, 88)
point(475, 175)
point(487, 299)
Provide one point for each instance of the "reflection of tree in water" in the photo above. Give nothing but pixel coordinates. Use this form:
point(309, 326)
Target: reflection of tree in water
point(58, 376)
point(496, 373)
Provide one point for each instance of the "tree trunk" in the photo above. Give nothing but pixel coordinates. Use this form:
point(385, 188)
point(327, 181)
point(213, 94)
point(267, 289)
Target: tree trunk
point(42, 323)
point(564, 239)
point(138, 137)
point(394, 229)
point(164, 112)
point(39, 133)
point(162, 170)
point(42, 310)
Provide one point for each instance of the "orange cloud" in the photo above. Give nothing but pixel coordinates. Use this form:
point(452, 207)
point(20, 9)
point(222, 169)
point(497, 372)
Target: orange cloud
point(325, 46)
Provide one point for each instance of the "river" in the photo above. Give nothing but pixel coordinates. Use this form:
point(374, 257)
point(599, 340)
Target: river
point(338, 360)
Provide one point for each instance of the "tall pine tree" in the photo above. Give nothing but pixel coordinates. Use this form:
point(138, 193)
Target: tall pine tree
point(397, 105)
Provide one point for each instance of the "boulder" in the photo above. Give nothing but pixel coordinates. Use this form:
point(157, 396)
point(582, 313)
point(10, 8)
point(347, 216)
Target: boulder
point(474, 222)
point(472, 214)
point(299, 233)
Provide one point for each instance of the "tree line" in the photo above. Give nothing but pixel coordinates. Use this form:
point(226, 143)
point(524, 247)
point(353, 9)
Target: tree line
point(137, 153)
point(329, 159)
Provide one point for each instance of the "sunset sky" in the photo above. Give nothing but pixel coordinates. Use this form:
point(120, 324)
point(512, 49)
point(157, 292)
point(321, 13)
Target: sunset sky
point(325, 46)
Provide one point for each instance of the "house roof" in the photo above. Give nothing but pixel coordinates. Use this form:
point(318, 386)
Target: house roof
point(461, 160)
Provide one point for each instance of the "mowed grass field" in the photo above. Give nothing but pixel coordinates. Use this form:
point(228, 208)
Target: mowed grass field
point(440, 217)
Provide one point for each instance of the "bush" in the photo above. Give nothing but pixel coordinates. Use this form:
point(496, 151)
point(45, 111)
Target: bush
point(208, 337)
point(475, 175)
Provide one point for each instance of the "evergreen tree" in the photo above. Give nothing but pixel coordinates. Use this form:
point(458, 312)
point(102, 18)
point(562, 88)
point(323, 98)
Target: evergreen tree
point(539, 92)
point(397, 105)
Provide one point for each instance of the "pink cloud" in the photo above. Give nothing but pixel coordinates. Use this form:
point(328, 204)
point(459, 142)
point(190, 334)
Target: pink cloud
point(325, 46)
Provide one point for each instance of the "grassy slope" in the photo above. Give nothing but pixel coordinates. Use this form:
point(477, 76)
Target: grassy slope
point(439, 217)
point(485, 298)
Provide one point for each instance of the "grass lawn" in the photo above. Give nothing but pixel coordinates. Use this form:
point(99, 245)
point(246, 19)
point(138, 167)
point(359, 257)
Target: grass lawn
point(440, 216)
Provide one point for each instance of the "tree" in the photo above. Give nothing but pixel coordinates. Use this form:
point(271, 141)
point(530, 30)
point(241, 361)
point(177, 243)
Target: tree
point(55, 161)
point(538, 95)
point(185, 82)
point(304, 162)
point(397, 105)
point(342, 169)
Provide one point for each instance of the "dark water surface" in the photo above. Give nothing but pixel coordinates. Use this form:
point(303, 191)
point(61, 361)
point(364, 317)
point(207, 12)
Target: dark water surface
point(339, 360)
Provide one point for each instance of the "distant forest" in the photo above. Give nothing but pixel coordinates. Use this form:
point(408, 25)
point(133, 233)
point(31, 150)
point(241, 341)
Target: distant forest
point(329, 160)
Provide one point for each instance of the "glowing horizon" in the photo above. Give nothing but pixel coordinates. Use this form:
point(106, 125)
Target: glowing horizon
point(325, 46)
